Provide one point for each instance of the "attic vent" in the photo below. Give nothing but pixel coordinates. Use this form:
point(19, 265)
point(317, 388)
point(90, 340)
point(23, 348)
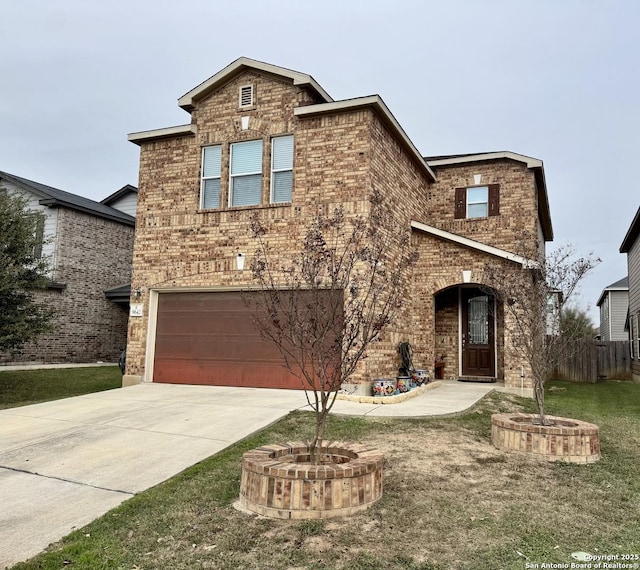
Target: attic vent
point(246, 96)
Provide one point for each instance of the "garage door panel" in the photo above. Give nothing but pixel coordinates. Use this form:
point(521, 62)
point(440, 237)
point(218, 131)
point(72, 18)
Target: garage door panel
point(210, 338)
point(200, 345)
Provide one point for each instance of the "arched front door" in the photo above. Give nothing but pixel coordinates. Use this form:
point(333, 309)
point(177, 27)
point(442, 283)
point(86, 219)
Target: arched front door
point(478, 332)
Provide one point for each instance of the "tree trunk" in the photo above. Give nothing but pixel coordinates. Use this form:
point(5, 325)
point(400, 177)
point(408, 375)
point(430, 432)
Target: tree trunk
point(538, 390)
point(321, 424)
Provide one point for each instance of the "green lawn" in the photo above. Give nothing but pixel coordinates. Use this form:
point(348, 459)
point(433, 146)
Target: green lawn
point(24, 387)
point(451, 501)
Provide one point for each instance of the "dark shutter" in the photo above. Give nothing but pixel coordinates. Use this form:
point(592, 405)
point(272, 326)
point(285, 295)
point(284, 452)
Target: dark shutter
point(494, 199)
point(461, 203)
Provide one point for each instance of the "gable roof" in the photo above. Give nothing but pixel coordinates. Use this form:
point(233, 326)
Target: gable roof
point(632, 234)
point(473, 244)
point(53, 197)
point(126, 189)
point(620, 285)
point(544, 213)
point(188, 100)
point(375, 103)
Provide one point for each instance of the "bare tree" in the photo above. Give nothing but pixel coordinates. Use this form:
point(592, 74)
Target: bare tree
point(328, 303)
point(534, 294)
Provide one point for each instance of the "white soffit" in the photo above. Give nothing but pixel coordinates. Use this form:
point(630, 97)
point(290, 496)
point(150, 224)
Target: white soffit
point(146, 136)
point(529, 161)
point(472, 244)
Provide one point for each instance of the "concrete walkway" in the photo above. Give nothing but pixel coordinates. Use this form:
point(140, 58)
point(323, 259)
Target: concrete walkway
point(65, 463)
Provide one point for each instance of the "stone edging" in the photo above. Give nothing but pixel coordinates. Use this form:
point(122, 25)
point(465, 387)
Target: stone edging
point(389, 399)
point(278, 480)
point(569, 440)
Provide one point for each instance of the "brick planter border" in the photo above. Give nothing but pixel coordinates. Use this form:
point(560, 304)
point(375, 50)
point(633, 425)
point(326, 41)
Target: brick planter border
point(569, 440)
point(278, 481)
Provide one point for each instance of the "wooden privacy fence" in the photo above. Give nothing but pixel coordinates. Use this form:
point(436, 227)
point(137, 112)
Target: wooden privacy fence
point(589, 361)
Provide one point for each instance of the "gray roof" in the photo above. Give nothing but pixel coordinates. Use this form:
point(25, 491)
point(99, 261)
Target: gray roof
point(620, 285)
point(119, 294)
point(54, 197)
point(119, 193)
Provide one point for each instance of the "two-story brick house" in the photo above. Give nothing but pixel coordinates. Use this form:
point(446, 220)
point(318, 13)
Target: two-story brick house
point(88, 246)
point(268, 141)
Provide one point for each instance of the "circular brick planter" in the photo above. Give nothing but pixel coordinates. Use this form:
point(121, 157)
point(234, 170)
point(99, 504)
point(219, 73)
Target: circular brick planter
point(569, 440)
point(279, 481)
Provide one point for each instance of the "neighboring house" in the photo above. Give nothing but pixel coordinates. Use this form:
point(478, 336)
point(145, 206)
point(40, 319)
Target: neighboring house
point(89, 246)
point(631, 246)
point(267, 141)
point(614, 306)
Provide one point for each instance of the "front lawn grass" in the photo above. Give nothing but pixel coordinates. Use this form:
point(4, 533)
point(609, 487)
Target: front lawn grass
point(451, 501)
point(24, 387)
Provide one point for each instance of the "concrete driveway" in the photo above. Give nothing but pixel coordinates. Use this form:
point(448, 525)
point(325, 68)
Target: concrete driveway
point(65, 463)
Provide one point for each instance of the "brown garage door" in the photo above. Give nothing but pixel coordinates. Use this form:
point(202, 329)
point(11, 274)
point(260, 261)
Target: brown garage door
point(210, 338)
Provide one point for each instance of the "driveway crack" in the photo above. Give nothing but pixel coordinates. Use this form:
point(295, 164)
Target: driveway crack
point(27, 472)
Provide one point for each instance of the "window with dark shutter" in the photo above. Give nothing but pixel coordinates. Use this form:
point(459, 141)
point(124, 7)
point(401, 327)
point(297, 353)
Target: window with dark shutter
point(494, 199)
point(461, 203)
point(477, 202)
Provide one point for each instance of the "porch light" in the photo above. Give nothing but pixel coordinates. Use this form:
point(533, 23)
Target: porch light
point(240, 261)
point(466, 276)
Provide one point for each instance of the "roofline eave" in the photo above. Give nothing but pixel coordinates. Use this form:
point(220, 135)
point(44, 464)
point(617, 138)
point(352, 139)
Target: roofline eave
point(376, 103)
point(55, 203)
point(476, 245)
point(188, 100)
point(535, 164)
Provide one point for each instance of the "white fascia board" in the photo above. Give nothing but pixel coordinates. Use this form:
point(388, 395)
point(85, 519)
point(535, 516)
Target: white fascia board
point(608, 290)
point(472, 244)
point(188, 99)
point(529, 161)
point(146, 136)
point(376, 103)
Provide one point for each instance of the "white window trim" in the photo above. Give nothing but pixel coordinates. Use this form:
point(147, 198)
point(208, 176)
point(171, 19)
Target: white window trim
point(637, 336)
point(242, 88)
point(203, 177)
point(232, 176)
point(274, 170)
point(469, 203)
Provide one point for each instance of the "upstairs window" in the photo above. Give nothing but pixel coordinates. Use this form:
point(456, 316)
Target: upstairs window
point(246, 174)
point(477, 201)
point(38, 233)
point(210, 184)
point(281, 169)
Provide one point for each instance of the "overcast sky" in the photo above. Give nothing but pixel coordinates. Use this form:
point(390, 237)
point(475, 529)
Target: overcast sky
point(557, 80)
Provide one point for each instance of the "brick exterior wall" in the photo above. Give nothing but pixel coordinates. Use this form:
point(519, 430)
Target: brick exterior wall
point(92, 254)
point(518, 205)
point(339, 159)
